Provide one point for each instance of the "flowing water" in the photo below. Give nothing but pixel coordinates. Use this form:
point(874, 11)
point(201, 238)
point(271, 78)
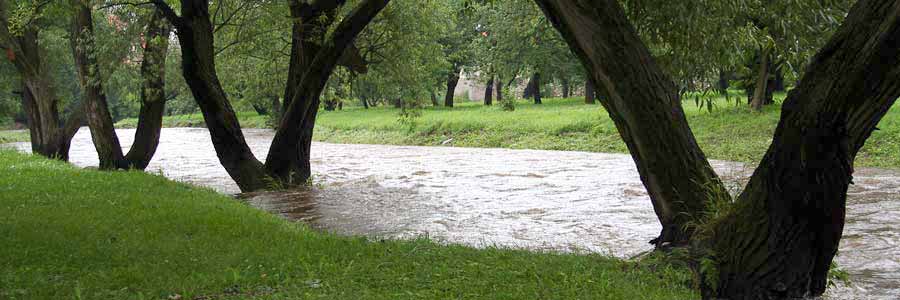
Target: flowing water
point(542, 200)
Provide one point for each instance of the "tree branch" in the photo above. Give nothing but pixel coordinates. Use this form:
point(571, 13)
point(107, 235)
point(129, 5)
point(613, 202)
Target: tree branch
point(168, 12)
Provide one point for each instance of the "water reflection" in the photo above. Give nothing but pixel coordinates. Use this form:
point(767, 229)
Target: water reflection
point(545, 200)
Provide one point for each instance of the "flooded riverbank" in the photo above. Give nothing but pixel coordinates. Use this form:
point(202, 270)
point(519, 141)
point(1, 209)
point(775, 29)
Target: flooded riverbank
point(542, 200)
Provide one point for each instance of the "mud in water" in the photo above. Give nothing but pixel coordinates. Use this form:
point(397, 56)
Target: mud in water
point(542, 200)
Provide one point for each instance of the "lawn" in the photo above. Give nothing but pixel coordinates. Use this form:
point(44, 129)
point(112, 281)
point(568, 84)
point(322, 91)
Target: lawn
point(70, 233)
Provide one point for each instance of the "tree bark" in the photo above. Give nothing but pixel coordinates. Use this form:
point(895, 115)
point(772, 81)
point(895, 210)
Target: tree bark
point(589, 95)
point(762, 80)
point(645, 106)
point(434, 99)
point(565, 88)
point(781, 239)
point(50, 136)
point(153, 92)
point(294, 135)
point(536, 87)
point(489, 92)
point(195, 35)
point(103, 133)
point(452, 81)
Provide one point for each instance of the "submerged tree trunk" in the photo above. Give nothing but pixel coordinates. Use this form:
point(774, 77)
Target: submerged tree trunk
point(99, 120)
point(489, 92)
point(762, 80)
point(296, 130)
point(781, 239)
point(644, 104)
point(195, 34)
point(452, 81)
point(589, 95)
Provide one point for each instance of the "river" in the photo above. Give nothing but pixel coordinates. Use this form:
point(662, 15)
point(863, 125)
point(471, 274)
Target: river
point(540, 200)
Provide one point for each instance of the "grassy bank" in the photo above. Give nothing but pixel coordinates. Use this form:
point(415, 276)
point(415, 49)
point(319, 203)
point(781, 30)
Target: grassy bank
point(131, 235)
point(13, 136)
point(729, 132)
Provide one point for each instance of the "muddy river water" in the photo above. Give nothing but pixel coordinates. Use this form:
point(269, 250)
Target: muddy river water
point(542, 200)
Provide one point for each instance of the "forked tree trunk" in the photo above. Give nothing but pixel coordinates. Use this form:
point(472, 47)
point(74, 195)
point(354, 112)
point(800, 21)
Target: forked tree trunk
point(109, 151)
point(295, 133)
point(153, 93)
point(489, 92)
point(50, 136)
point(762, 80)
point(452, 81)
point(780, 241)
point(645, 106)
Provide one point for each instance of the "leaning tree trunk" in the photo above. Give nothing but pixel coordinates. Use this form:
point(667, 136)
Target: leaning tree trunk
point(489, 92)
point(153, 89)
point(452, 81)
point(50, 136)
point(762, 80)
point(780, 240)
point(589, 95)
point(99, 120)
point(645, 106)
point(195, 35)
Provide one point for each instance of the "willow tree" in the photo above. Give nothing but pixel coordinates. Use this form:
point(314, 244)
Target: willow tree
point(106, 142)
point(779, 239)
point(51, 136)
point(286, 164)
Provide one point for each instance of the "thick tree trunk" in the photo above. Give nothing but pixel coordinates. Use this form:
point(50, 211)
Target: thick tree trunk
point(590, 96)
point(780, 241)
point(153, 93)
point(489, 92)
point(452, 81)
point(645, 106)
point(99, 120)
point(195, 35)
point(48, 135)
point(536, 88)
point(762, 80)
point(294, 135)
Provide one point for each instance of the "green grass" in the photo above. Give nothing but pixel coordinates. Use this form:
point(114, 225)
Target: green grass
point(729, 132)
point(13, 136)
point(69, 233)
